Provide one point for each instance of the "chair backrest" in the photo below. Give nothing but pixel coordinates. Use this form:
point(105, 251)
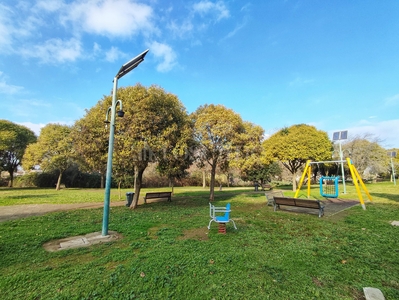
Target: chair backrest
point(227, 214)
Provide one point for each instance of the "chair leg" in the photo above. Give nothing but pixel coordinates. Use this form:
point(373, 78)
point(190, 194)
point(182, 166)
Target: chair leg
point(209, 225)
point(234, 223)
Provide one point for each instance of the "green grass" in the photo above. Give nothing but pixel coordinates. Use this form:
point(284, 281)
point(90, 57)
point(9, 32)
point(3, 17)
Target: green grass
point(167, 252)
point(17, 196)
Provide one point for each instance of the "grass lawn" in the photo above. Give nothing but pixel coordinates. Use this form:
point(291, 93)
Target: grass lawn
point(167, 252)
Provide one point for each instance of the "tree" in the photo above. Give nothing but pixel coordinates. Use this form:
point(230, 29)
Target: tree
point(14, 139)
point(216, 130)
point(261, 172)
point(91, 140)
point(174, 162)
point(295, 145)
point(155, 124)
point(52, 151)
point(246, 156)
point(369, 158)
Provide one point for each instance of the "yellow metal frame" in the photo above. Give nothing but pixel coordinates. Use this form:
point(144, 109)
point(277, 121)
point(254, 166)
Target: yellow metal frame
point(355, 177)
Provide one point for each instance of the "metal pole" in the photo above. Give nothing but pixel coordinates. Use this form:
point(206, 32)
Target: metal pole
point(393, 171)
point(109, 162)
point(342, 167)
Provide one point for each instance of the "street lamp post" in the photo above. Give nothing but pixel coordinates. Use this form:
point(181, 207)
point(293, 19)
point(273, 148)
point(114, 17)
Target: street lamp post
point(338, 136)
point(126, 68)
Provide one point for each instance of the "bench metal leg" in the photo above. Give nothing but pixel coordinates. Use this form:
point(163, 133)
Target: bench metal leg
point(321, 212)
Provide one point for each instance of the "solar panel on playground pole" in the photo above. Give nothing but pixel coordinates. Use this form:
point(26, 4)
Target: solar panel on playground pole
point(338, 136)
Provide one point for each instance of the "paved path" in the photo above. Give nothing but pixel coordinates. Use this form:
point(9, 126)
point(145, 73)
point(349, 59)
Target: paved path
point(26, 210)
point(332, 206)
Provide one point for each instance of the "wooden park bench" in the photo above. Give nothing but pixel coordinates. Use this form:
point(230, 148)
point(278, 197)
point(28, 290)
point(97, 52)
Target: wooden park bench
point(266, 186)
point(158, 195)
point(270, 196)
point(305, 203)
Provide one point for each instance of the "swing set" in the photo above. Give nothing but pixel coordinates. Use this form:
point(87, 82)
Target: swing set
point(329, 185)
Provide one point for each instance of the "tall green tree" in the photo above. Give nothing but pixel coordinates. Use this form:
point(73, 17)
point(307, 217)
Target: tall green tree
point(216, 130)
point(294, 145)
point(14, 139)
point(52, 151)
point(178, 157)
point(90, 140)
point(369, 158)
point(246, 157)
point(155, 124)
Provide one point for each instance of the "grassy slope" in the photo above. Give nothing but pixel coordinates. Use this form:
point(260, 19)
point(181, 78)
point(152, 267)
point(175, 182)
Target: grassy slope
point(167, 252)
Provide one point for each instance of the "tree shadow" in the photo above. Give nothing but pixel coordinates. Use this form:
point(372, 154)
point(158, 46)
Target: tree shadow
point(390, 197)
point(20, 197)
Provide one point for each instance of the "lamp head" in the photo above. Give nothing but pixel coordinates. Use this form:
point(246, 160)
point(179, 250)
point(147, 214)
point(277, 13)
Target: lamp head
point(120, 113)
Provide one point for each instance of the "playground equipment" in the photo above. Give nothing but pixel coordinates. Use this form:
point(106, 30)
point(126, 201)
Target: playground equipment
point(355, 178)
point(329, 186)
point(222, 220)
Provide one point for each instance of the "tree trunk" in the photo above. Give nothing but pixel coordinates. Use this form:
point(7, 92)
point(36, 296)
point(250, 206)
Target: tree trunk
point(212, 183)
point(102, 185)
point(203, 179)
point(138, 180)
point(119, 189)
point(294, 182)
point(59, 181)
point(11, 182)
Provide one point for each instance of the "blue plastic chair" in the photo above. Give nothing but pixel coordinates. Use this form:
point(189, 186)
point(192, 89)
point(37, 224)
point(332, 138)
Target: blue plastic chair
point(213, 210)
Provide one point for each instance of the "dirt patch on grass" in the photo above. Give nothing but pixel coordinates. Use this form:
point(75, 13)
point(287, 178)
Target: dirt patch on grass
point(200, 234)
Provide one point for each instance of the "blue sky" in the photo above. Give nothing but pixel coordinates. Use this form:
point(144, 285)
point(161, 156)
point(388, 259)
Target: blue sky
point(331, 64)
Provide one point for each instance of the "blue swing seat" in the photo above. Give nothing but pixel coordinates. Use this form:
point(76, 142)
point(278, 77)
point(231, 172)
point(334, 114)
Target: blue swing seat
point(213, 210)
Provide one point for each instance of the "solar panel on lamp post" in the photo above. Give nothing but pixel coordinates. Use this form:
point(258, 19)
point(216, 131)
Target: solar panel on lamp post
point(338, 136)
point(126, 68)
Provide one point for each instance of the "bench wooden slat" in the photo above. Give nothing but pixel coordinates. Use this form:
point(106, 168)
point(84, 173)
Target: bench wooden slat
point(284, 201)
point(156, 195)
point(305, 203)
point(266, 186)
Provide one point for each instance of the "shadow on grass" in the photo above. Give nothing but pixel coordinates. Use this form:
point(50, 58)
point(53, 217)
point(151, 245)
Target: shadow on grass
point(387, 196)
point(19, 197)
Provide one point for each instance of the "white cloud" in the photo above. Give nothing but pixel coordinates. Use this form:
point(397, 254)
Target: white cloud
point(236, 29)
point(299, 82)
point(181, 30)
point(36, 127)
point(391, 101)
point(55, 51)
point(218, 9)
point(6, 29)
point(114, 54)
point(111, 17)
point(6, 88)
point(32, 126)
point(386, 131)
point(96, 48)
point(49, 5)
point(166, 54)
